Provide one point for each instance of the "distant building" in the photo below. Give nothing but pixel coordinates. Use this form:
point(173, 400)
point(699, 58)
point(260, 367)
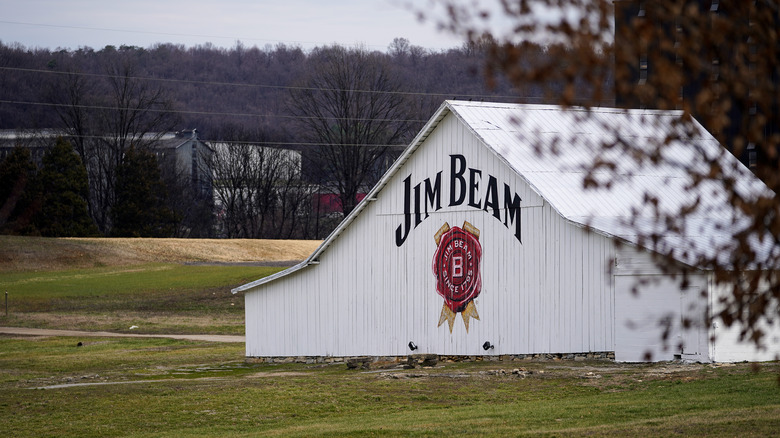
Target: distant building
point(36, 141)
point(330, 203)
point(184, 153)
point(289, 159)
point(642, 70)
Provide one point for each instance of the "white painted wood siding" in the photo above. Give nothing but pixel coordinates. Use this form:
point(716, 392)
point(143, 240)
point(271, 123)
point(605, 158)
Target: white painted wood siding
point(367, 296)
point(726, 345)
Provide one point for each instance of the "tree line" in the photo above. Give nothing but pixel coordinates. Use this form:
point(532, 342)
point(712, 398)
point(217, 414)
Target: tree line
point(347, 112)
point(52, 200)
point(213, 89)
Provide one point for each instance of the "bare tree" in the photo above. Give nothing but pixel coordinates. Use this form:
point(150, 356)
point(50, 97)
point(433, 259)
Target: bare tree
point(294, 212)
point(351, 106)
point(72, 93)
point(105, 119)
point(399, 48)
point(716, 62)
point(259, 190)
point(238, 185)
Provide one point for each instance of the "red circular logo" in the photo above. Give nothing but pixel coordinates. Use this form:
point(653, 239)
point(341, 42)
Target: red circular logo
point(456, 268)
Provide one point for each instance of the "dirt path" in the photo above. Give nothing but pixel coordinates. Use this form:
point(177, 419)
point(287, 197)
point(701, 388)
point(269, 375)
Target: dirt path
point(75, 333)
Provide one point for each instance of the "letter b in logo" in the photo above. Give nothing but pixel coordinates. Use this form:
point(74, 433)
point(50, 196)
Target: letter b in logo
point(457, 266)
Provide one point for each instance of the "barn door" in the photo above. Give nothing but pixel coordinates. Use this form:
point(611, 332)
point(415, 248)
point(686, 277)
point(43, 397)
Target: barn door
point(691, 309)
point(641, 318)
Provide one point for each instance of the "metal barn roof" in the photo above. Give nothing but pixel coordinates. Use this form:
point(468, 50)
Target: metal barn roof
point(524, 135)
point(518, 132)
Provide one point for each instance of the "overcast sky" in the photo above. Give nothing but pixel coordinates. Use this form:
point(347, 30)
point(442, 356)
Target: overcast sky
point(96, 23)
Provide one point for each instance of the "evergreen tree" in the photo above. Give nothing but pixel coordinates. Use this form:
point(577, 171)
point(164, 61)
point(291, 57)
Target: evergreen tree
point(141, 208)
point(64, 186)
point(19, 197)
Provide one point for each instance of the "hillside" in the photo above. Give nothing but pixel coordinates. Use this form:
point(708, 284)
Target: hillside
point(38, 253)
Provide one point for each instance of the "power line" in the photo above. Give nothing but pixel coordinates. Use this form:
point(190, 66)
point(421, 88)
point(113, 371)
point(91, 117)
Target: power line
point(300, 143)
point(479, 97)
point(207, 113)
point(32, 135)
point(278, 87)
point(256, 86)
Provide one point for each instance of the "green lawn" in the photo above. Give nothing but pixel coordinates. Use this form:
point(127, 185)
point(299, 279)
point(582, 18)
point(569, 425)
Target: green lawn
point(157, 298)
point(96, 282)
point(159, 387)
point(52, 386)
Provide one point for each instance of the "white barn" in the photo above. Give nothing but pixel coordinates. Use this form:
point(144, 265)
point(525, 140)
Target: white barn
point(473, 244)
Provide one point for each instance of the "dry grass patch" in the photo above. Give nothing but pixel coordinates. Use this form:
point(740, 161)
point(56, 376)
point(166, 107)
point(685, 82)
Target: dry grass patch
point(40, 253)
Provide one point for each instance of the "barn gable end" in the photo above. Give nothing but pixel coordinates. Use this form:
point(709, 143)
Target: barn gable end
point(470, 245)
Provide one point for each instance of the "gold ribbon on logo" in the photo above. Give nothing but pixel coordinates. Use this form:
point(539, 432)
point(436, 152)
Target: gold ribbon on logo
point(448, 315)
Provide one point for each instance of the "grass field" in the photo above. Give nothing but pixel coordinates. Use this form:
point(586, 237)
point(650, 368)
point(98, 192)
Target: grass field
point(159, 285)
point(160, 387)
point(52, 386)
point(157, 298)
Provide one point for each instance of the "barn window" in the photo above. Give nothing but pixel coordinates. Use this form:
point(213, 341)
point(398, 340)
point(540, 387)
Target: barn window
point(714, 6)
point(752, 156)
point(643, 69)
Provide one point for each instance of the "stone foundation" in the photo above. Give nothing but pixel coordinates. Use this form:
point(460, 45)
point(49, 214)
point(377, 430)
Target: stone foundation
point(423, 360)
